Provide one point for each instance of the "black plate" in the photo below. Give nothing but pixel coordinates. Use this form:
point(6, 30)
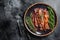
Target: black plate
point(31, 9)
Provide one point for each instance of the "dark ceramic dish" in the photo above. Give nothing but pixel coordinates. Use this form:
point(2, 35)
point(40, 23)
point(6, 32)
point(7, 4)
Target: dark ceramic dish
point(43, 6)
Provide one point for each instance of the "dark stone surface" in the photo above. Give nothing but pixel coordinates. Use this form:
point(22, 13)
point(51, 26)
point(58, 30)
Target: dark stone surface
point(11, 20)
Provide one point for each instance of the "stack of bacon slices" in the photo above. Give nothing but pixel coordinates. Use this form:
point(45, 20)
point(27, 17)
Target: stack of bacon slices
point(40, 18)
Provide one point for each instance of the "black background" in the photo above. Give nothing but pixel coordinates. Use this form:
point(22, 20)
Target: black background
point(11, 20)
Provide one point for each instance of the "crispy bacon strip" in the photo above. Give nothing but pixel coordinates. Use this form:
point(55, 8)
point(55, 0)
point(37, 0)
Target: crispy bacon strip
point(40, 18)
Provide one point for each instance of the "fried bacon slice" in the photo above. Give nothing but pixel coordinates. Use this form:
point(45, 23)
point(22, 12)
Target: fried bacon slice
point(40, 18)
